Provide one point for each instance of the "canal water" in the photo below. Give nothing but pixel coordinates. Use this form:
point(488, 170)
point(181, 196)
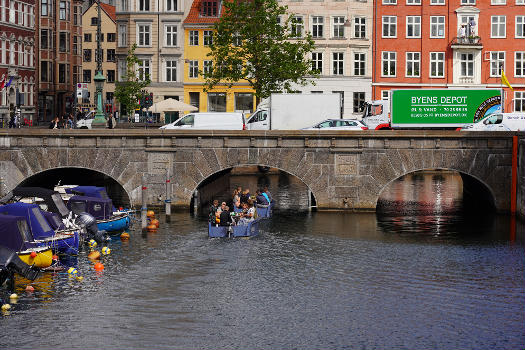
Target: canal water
point(399, 279)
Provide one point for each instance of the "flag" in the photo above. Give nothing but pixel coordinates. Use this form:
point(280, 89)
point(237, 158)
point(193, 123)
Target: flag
point(9, 83)
point(504, 80)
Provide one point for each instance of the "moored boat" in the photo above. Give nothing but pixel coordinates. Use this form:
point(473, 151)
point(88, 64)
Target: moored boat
point(102, 210)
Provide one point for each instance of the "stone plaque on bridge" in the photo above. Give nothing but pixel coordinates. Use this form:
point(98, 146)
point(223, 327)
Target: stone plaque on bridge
point(346, 164)
point(158, 162)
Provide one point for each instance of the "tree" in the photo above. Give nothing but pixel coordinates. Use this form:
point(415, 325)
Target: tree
point(251, 43)
point(129, 91)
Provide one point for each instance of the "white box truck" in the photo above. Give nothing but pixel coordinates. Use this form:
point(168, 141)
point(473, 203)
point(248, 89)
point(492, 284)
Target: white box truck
point(294, 111)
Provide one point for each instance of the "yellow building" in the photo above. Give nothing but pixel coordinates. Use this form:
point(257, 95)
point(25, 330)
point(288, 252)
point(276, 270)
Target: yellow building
point(108, 43)
point(198, 29)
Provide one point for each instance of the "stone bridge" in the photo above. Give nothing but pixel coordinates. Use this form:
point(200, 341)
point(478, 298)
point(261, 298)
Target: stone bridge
point(344, 170)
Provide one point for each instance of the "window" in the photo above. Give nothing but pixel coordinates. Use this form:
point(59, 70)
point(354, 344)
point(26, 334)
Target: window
point(389, 26)
point(111, 76)
point(497, 26)
point(122, 35)
point(111, 37)
point(498, 2)
point(413, 26)
point(12, 12)
point(467, 64)
point(519, 64)
point(207, 66)
point(468, 2)
point(62, 10)
point(122, 70)
point(87, 37)
point(143, 33)
point(76, 48)
point(413, 63)
point(317, 26)
point(297, 26)
point(519, 101)
point(209, 8)
point(217, 102)
point(101, 52)
point(63, 42)
point(194, 37)
point(171, 35)
point(144, 69)
point(437, 26)
point(75, 17)
point(389, 2)
point(44, 71)
point(360, 27)
point(317, 62)
point(207, 37)
point(413, 2)
point(110, 96)
point(359, 63)
point(389, 63)
point(143, 5)
point(520, 26)
point(359, 102)
point(195, 99)
point(110, 55)
point(44, 38)
point(520, 2)
point(497, 63)
point(243, 102)
point(337, 63)
point(76, 75)
point(385, 95)
point(171, 70)
point(86, 75)
point(437, 64)
point(87, 55)
point(171, 5)
point(338, 25)
point(45, 7)
point(194, 69)
point(61, 73)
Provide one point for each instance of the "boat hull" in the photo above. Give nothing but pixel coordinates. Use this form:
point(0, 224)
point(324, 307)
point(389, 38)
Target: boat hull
point(64, 243)
point(249, 230)
point(43, 259)
point(114, 223)
point(217, 231)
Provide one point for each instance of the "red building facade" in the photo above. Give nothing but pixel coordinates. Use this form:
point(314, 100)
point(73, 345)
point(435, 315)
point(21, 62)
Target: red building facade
point(17, 59)
point(443, 44)
point(59, 36)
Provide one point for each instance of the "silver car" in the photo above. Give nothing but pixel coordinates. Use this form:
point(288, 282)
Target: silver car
point(339, 124)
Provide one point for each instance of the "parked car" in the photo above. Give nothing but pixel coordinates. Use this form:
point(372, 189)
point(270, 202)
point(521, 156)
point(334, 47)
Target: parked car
point(209, 121)
point(339, 124)
point(499, 122)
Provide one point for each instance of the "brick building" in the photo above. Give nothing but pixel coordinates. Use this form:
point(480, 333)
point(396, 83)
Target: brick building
point(457, 44)
point(17, 58)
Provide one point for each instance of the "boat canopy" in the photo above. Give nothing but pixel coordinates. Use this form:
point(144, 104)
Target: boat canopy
point(100, 208)
point(51, 198)
point(15, 233)
point(88, 191)
point(38, 224)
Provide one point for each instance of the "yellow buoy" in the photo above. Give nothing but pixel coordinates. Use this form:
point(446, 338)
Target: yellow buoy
point(92, 243)
point(124, 236)
point(72, 271)
point(106, 251)
point(6, 307)
point(80, 278)
point(13, 296)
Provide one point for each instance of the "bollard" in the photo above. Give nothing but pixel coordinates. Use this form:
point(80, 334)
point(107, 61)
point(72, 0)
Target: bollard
point(144, 208)
point(195, 201)
point(168, 196)
point(309, 200)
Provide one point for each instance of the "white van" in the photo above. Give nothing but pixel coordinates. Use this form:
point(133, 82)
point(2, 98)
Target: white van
point(500, 122)
point(209, 121)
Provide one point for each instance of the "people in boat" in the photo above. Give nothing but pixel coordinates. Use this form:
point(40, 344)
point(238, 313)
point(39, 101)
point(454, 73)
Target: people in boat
point(219, 211)
point(261, 199)
point(213, 211)
point(267, 194)
point(225, 217)
point(245, 195)
point(236, 199)
point(248, 213)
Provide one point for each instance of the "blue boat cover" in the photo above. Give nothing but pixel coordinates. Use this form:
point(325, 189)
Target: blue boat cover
point(54, 220)
point(100, 208)
point(14, 233)
point(89, 191)
point(38, 224)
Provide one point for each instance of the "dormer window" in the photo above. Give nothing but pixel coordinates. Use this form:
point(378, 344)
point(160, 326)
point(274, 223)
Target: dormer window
point(210, 8)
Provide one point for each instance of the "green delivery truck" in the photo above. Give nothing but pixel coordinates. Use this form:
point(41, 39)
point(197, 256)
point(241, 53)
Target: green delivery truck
point(432, 108)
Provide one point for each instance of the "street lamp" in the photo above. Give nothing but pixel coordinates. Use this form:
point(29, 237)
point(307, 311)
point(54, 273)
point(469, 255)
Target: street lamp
point(100, 118)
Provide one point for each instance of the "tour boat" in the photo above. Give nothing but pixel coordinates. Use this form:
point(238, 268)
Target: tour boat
point(46, 228)
point(16, 235)
point(249, 230)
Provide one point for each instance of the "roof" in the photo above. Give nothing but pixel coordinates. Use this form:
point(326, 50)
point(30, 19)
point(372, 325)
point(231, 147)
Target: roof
point(195, 17)
point(108, 9)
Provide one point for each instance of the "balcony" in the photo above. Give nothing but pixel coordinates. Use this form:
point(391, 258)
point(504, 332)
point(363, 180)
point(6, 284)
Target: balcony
point(464, 42)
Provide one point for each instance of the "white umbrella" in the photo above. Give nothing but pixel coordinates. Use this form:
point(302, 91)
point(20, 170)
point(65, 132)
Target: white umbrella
point(172, 105)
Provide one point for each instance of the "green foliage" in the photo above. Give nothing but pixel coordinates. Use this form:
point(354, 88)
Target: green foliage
point(254, 42)
point(128, 92)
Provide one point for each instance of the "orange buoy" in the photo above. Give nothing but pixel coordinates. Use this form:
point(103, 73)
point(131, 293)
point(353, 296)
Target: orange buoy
point(94, 255)
point(55, 257)
point(33, 254)
point(150, 214)
point(124, 236)
point(151, 228)
point(98, 267)
point(155, 222)
point(30, 288)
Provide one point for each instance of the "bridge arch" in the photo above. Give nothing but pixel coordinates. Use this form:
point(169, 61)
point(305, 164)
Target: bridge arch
point(477, 194)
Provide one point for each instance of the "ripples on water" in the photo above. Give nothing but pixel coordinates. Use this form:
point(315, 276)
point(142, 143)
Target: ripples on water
point(309, 281)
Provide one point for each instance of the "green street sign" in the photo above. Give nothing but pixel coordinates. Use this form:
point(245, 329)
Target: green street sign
point(442, 107)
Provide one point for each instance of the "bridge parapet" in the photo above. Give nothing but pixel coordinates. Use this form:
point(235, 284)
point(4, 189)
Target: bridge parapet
point(343, 169)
